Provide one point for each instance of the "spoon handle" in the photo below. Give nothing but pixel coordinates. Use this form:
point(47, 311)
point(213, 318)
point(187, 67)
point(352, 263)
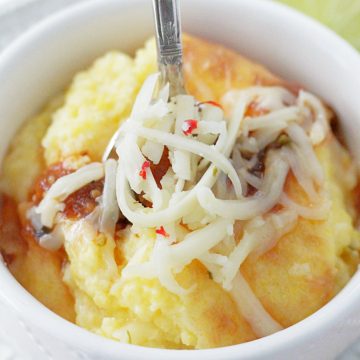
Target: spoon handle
point(168, 38)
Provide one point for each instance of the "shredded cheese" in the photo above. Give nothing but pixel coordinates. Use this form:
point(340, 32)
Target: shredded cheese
point(250, 207)
point(252, 310)
point(109, 208)
point(205, 151)
point(203, 203)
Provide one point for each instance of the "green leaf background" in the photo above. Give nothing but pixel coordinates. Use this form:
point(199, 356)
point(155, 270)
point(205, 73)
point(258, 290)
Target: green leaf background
point(343, 16)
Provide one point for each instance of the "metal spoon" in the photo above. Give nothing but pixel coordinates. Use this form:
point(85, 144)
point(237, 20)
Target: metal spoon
point(168, 38)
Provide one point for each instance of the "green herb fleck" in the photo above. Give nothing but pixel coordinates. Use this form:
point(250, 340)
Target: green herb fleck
point(129, 336)
point(283, 140)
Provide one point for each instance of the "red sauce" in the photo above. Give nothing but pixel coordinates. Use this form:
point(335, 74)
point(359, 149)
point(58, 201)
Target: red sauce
point(46, 179)
point(250, 191)
point(160, 169)
point(82, 202)
point(140, 198)
point(259, 167)
point(12, 244)
point(121, 224)
point(79, 204)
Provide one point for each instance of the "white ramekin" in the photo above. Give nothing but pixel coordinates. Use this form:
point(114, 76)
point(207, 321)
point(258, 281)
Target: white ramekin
point(42, 62)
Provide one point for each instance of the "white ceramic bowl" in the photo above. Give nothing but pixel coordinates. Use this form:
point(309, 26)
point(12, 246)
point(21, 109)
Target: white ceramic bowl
point(42, 62)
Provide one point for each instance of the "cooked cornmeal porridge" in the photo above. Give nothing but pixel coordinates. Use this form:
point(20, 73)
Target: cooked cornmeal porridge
point(191, 222)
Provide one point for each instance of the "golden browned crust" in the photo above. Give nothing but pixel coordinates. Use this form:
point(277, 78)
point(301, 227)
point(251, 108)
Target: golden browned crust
point(38, 270)
point(212, 310)
point(211, 70)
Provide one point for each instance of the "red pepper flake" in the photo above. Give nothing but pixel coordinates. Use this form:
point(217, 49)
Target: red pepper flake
point(213, 103)
point(144, 167)
point(189, 126)
point(161, 231)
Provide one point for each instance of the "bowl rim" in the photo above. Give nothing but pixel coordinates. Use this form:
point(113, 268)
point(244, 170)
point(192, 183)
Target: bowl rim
point(15, 296)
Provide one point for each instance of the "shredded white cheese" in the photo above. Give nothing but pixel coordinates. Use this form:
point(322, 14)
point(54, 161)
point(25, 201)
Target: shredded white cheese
point(202, 204)
point(249, 207)
point(108, 204)
point(252, 310)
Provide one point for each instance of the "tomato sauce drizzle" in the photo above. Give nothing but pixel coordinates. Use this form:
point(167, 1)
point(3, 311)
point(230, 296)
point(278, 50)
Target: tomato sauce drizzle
point(77, 205)
point(46, 179)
